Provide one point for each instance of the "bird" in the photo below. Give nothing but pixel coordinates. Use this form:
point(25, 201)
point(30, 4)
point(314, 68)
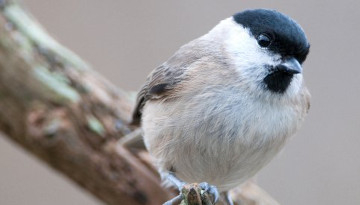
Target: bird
point(224, 104)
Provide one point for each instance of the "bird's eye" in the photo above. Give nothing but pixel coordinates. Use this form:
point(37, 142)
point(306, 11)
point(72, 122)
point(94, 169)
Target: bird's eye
point(264, 40)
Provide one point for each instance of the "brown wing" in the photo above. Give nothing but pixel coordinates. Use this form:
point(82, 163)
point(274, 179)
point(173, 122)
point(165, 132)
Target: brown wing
point(166, 77)
point(161, 80)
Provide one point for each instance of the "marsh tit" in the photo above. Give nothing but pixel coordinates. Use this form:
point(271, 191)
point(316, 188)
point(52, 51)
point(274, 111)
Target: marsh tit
point(224, 104)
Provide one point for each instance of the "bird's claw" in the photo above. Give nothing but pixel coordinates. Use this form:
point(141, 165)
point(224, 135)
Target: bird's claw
point(202, 193)
point(195, 193)
point(211, 190)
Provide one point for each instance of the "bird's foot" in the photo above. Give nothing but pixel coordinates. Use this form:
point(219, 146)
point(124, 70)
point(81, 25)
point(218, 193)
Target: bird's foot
point(196, 194)
point(192, 194)
point(211, 191)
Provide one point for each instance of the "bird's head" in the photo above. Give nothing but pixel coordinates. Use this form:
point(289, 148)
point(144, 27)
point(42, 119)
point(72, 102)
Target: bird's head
point(267, 49)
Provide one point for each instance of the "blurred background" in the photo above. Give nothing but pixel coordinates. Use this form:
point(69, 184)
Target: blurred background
point(125, 40)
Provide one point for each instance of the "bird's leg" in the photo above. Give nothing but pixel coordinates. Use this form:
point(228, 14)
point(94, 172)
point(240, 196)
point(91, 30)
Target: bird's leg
point(227, 199)
point(179, 184)
point(176, 181)
point(199, 192)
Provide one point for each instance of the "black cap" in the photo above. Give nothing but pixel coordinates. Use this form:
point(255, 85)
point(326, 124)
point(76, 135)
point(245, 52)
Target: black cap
point(289, 39)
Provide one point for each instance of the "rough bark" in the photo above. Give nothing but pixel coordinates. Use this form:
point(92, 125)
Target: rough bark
point(53, 105)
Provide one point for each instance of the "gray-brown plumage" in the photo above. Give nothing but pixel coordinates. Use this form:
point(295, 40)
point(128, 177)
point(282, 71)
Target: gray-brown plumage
point(163, 79)
point(225, 104)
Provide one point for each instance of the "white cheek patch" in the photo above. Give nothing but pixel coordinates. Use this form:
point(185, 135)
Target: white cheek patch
point(244, 49)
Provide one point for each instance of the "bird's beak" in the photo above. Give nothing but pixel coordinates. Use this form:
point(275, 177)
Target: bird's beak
point(291, 66)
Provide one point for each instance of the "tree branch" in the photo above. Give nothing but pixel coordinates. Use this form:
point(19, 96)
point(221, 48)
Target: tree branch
point(56, 107)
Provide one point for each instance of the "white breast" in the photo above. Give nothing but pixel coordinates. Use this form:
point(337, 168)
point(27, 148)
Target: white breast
point(216, 138)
